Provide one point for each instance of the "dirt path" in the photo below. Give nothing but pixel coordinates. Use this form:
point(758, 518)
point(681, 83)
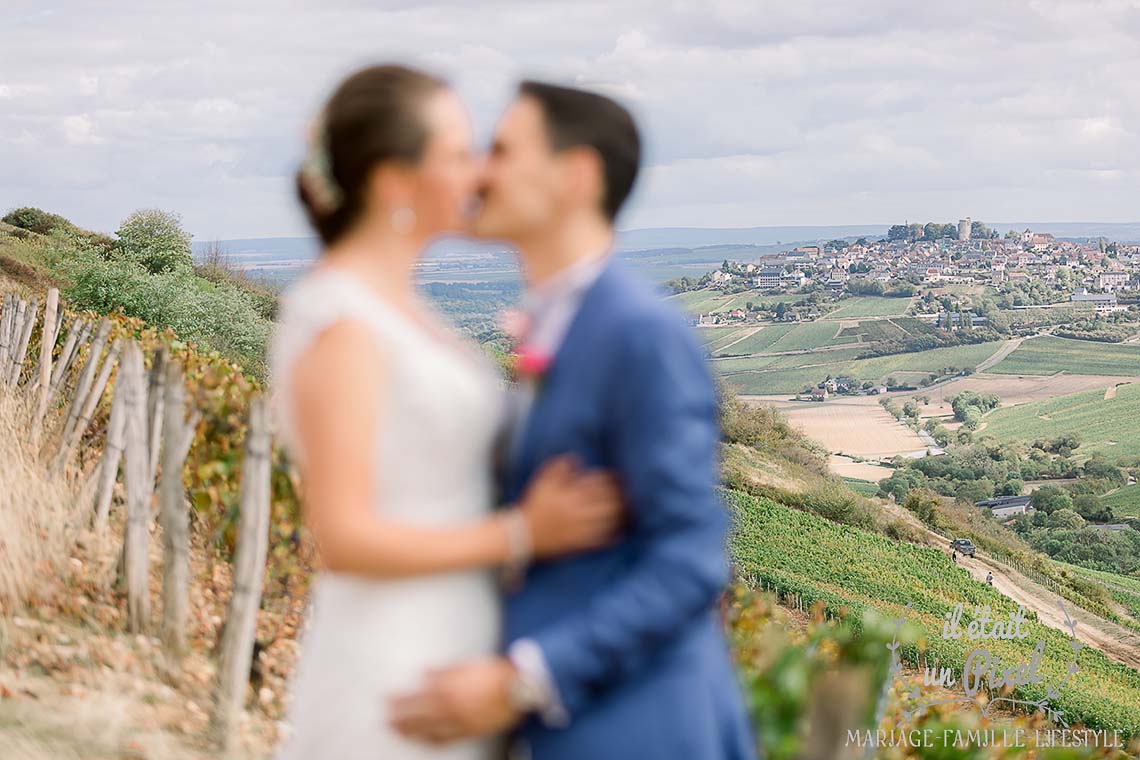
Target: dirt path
point(1115, 641)
point(749, 334)
point(1007, 348)
point(1119, 643)
point(790, 352)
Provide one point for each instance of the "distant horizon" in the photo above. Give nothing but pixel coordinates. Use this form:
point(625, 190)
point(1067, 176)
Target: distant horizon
point(1036, 226)
point(766, 112)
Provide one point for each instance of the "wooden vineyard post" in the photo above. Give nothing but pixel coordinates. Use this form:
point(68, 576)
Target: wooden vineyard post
point(46, 346)
point(6, 319)
point(22, 348)
point(83, 387)
point(112, 454)
point(15, 331)
point(249, 567)
point(68, 346)
point(83, 418)
point(155, 394)
point(15, 316)
point(173, 513)
point(139, 488)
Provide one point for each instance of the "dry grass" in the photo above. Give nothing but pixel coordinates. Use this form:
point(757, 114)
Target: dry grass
point(40, 513)
point(854, 425)
point(73, 683)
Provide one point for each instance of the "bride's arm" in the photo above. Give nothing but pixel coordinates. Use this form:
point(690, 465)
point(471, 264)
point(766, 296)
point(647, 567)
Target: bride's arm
point(337, 385)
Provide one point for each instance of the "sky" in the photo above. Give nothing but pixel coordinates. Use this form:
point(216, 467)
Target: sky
point(754, 113)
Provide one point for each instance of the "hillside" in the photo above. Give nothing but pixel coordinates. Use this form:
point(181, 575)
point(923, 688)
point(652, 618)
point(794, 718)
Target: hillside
point(849, 569)
point(1105, 420)
point(800, 535)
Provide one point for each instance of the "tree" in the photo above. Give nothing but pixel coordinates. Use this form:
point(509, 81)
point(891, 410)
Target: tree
point(1090, 507)
point(781, 310)
point(963, 401)
point(1012, 487)
point(155, 239)
point(923, 504)
point(981, 231)
point(37, 220)
point(900, 483)
point(1066, 519)
point(975, 490)
point(1049, 499)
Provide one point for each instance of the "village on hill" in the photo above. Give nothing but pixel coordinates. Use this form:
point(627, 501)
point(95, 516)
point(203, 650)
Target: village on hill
point(932, 255)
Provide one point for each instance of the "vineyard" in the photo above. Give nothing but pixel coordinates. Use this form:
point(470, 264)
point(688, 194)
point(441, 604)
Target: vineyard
point(850, 571)
point(1124, 590)
point(870, 306)
point(1125, 501)
point(1104, 425)
point(159, 445)
point(763, 375)
point(163, 453)
point(1048, 355)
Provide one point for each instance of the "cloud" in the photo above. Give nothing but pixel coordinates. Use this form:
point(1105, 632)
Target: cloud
point(754, 112)
point(78, 129)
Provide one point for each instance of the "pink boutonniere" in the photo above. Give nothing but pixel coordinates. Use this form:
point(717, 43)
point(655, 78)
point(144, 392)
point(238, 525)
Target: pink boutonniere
point(530, 364)
point(527, 364)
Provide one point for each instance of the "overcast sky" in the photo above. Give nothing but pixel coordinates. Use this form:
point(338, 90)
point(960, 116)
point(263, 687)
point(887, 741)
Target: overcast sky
point(755, 113)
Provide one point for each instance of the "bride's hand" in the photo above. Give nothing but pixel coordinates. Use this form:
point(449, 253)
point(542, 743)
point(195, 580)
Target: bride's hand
point(568, 510)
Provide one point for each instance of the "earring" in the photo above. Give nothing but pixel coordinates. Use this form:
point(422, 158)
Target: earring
point(403, 220)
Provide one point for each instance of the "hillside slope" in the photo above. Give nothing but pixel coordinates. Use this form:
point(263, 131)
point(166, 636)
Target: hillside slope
point(850, 570)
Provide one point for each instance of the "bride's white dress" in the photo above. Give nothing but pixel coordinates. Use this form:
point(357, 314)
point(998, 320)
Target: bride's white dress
point(369, 639)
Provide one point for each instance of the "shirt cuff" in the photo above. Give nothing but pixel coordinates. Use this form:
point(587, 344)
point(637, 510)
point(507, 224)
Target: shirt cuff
point(527, 657)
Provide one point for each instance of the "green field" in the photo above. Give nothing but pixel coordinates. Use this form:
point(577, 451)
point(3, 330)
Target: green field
point(1047, 355)
point(712, 336)
point(790, 337)
point(787, 361)
point(870, 306)
point(872, 330)
point(705, 301)
point(1124, 589)
point(765, 374)
point(864, 487)
point(1125, 501)
point(1105, 426)
point(849, 569)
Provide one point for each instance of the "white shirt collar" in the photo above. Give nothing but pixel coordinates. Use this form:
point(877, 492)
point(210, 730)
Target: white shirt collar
point(552, 305)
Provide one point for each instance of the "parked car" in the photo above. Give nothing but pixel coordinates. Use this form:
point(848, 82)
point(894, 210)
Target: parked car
point(963, 546)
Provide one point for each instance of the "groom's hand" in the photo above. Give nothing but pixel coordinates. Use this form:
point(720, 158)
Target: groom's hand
point(464, 701)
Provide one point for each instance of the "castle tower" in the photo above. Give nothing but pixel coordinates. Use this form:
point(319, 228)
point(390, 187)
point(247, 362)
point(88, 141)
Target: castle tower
point(964, 228)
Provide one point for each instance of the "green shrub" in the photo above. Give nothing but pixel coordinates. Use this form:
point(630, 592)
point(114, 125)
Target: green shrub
point(155, 240)
point(37, 220)
point(220, 315)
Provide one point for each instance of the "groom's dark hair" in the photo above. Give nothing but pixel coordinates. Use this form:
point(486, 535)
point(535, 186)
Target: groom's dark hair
point(577, 118)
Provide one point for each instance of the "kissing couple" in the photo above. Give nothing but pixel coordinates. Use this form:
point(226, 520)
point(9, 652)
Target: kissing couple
point(528, 571)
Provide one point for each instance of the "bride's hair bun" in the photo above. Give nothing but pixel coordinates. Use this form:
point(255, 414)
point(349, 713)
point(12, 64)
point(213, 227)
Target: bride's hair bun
point(374, 116)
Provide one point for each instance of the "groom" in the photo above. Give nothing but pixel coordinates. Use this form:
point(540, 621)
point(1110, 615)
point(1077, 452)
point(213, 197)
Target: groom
point(617, 653)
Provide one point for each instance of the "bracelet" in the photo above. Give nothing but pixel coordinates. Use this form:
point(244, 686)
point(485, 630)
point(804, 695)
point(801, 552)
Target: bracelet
point(520, 547)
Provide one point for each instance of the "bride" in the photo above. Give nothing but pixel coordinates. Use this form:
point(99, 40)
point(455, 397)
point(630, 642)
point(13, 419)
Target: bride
point(392, 420)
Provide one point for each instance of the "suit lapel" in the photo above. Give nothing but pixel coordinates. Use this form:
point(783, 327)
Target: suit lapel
point(538, 416)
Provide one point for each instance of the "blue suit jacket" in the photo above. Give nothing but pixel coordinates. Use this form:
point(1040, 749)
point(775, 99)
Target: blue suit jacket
point(630, 632)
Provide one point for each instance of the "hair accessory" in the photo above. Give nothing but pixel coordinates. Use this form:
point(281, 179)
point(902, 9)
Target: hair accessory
point(316, 170)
